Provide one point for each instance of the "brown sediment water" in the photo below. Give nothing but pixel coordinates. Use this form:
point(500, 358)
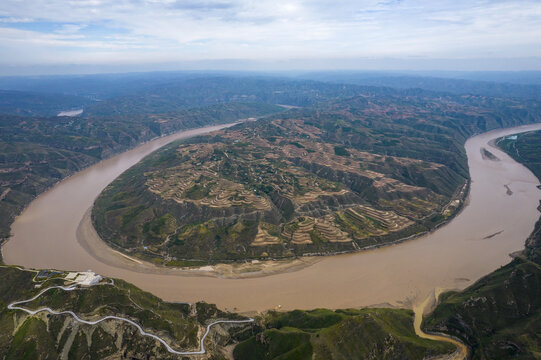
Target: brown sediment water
point(420, 309)
point(45, 236)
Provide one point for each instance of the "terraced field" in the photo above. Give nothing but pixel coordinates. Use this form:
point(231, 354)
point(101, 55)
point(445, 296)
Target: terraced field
point(339, 176)
point(273, 188)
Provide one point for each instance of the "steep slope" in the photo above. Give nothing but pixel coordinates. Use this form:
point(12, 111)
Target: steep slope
point(525, 149)
point(499, 316)
point(47, 336)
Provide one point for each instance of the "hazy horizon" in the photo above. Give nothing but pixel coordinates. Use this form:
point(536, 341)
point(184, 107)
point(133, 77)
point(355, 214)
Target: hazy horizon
point(399, 66)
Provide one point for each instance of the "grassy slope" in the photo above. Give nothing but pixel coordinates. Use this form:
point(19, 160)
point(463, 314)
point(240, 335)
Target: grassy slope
point(341, 334)
point(500, 315)
point(43, 336)
point(316, 334)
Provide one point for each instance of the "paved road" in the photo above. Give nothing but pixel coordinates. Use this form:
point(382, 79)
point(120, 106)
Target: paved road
point(13, 306)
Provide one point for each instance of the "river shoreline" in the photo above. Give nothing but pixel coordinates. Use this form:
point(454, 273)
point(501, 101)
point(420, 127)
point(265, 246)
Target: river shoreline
point(426, 307)
point(108, 157)
point(101, 250)
point(108, 254)
point(401, 275)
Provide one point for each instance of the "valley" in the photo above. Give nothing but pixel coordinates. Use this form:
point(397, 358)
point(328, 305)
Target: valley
point(240, 214)
point(455, 248)
point(38, 151)
point(262, 180)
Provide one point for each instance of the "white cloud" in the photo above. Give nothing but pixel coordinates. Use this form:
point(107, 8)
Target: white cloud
point(175, 30)
point(14, 20)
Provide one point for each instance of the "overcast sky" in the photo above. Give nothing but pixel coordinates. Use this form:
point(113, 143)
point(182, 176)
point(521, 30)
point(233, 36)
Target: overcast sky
point(415, 34)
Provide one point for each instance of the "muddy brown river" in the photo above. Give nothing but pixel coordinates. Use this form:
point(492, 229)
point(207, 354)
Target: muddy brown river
point(53, 232)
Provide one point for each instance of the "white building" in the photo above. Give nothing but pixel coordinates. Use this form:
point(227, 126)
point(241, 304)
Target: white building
point(87, 278)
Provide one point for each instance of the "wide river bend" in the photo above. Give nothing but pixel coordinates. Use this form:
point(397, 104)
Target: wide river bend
point(45, 236)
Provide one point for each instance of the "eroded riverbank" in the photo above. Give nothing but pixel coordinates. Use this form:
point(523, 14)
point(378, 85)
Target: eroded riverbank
point(476, 242)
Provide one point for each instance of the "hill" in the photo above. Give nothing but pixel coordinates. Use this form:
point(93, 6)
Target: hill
point(517, 85)
point(48, 336)
point(209, 90)
point(338, 176)
point(36, 152)
point(341, 334)
point(525, 149)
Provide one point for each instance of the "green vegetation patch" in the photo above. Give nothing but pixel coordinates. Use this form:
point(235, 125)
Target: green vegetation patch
point(525, 149)
point(341, 151)
point(341, 334)
point(499, 316)
point(45, 336)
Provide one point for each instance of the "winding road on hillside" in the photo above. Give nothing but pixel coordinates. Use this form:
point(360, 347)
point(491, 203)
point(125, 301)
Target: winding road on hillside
point(14, 306)
point(50, 233)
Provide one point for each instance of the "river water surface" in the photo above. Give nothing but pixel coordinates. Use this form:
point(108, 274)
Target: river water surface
point(46, 234)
